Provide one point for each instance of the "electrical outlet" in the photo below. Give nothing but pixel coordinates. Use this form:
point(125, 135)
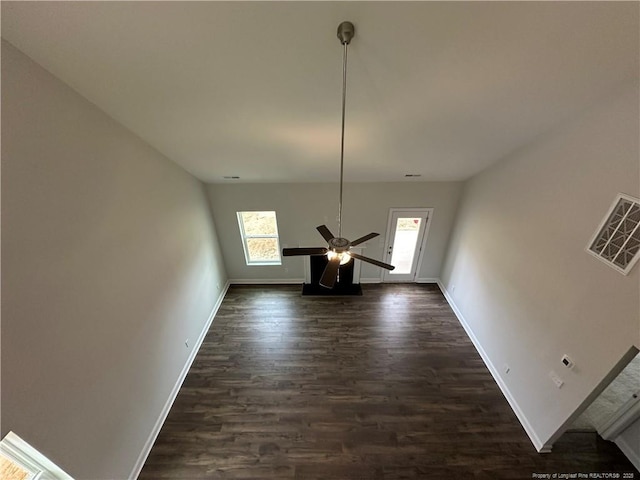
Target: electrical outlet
point(186, 343)
point(453, 288)
point(556, 379)
point(217, 286)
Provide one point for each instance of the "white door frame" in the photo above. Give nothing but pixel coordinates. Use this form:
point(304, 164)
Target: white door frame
point(428, 212)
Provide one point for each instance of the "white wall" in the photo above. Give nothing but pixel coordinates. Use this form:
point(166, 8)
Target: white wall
point(300, 208)
point(518, 274)
point(110, 261)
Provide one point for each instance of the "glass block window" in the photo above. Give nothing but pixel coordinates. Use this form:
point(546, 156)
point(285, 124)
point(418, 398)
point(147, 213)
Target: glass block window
point(259, 232)
point(617, 241)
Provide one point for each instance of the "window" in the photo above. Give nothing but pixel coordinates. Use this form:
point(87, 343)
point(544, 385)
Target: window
point(259, 231)
point(617, 241)
point(19, 460)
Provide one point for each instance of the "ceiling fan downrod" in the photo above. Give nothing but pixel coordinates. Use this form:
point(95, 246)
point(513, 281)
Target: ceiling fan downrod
point(346, 31)
point(338, 249)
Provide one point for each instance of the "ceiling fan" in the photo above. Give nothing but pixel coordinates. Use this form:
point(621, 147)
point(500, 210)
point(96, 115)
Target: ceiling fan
point(338, 250)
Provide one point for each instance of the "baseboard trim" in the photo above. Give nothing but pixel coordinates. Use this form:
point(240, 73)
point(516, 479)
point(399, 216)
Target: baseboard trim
point(428, 280)
point(370, 280)
point(537, 443)
point(142, 458)
point(266, 281)
point(630, 453)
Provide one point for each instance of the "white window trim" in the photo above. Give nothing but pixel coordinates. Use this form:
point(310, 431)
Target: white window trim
point(627, 269)
point(29, 459)
point(244, 237)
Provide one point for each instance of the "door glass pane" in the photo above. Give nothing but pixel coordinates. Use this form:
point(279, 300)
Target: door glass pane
point(404, 244)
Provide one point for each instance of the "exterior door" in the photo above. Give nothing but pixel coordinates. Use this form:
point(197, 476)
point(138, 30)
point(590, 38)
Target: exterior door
point(406, 237)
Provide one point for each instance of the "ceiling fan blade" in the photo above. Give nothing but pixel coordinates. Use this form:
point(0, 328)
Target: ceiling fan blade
point(330, 274)
point(291, 252)
point(325, 232)
point(364, 239)
point(371, 260)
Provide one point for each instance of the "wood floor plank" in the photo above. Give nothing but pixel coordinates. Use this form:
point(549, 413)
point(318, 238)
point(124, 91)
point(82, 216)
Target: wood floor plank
point(383, 386)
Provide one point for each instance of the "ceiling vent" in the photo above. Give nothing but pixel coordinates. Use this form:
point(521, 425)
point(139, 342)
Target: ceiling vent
point(617, 240)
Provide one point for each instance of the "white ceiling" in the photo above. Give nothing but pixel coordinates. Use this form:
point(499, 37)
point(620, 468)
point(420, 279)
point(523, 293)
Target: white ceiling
point(441, 89)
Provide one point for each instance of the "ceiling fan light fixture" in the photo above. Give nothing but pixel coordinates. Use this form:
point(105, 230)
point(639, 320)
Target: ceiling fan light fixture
point(338, 247)
point(344, 257)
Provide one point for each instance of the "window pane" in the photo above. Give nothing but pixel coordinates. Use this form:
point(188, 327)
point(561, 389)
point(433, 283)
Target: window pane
point(263, 249)
point(259, 223)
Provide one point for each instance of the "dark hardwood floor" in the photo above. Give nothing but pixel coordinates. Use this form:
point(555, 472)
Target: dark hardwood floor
point(382, 386)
